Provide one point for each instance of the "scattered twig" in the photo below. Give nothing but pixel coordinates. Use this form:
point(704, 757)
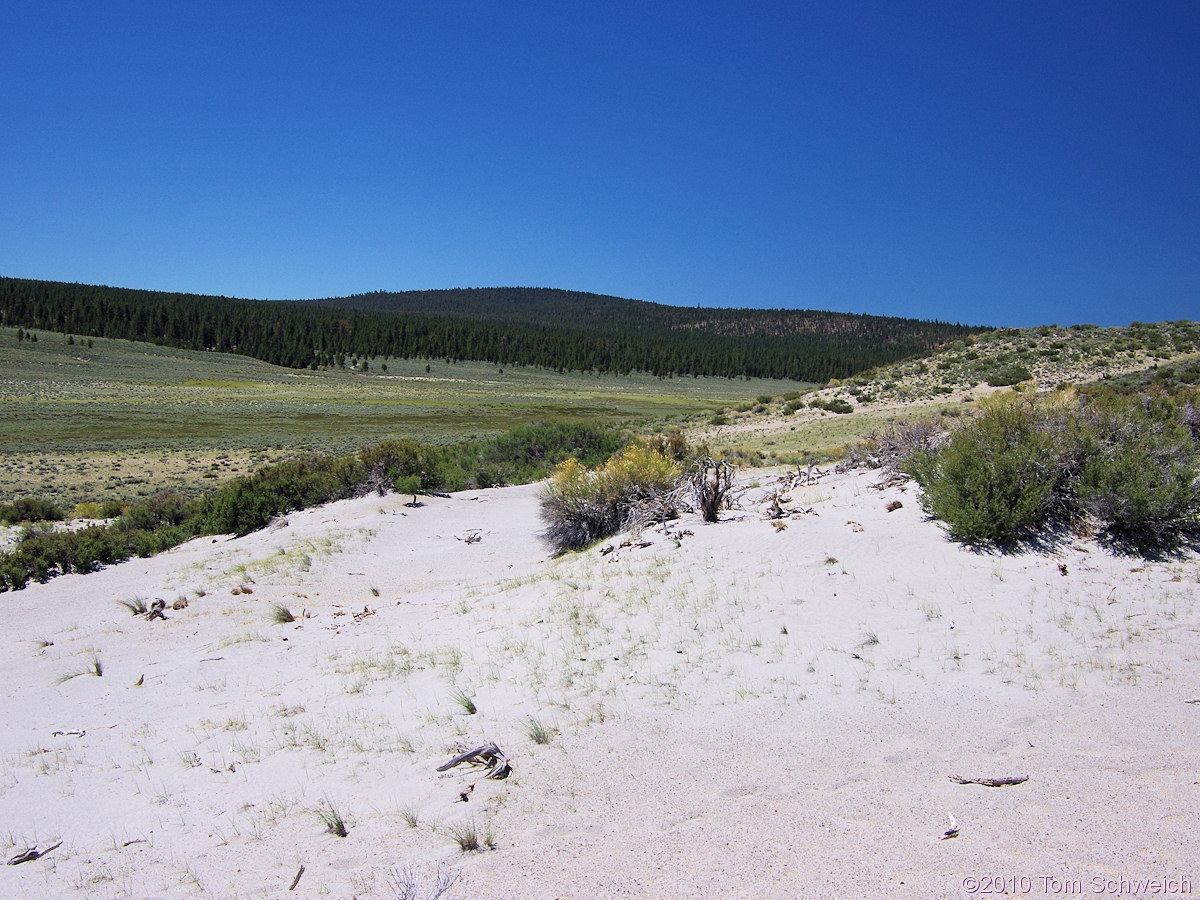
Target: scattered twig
point(952, 831)
point(471, 537)
point(991, 782)
point(296, 880)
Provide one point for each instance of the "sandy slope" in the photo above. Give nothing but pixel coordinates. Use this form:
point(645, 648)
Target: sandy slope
point(741, 711)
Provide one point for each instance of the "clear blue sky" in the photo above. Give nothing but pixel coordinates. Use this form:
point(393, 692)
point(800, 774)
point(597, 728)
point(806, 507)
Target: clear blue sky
point(1009, 162)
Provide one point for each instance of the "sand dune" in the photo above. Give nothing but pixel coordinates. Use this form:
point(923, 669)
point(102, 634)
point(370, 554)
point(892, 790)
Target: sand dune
point(734, 709)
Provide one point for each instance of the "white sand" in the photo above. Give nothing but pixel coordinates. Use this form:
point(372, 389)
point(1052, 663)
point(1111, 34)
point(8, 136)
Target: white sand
point(700, 751)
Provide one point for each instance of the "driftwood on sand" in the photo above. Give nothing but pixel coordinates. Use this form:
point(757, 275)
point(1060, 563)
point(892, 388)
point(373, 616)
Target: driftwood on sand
point(31, 854)
point(489, 756)
point(991, 782)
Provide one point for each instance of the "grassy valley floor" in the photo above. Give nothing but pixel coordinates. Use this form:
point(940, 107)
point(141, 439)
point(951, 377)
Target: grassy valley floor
point(124, 420)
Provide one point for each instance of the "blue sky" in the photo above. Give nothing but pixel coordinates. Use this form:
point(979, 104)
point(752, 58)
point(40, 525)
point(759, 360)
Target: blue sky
point(987, 162)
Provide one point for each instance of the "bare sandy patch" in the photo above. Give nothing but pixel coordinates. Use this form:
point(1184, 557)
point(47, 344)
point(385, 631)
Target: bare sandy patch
point(746, 708)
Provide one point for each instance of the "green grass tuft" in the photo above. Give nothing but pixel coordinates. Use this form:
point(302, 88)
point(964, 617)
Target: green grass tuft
point(470, 838)
point(281, 615)
point(332, 819)
point(538, 732)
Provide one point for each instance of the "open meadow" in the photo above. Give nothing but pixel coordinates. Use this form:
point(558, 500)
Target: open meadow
point(123, 420)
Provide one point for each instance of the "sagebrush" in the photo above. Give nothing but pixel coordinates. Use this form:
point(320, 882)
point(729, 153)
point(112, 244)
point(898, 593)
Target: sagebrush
point(1127, 466)
point(580, 506)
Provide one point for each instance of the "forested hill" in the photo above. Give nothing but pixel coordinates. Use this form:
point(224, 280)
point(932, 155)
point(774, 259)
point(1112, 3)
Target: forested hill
point(599, 312)
point(506, 326)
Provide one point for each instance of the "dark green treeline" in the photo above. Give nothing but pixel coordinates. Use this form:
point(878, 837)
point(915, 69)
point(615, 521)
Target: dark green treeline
point(505, 326)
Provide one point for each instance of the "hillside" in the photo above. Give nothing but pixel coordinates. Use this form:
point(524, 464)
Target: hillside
point(823, 421)
point(599, 312)
point(505, 326)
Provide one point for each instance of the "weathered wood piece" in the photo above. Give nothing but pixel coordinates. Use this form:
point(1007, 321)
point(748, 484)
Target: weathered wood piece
point(991, 782)
point(31, 854)
point(488, 756)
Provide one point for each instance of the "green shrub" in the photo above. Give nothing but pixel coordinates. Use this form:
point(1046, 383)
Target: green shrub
point(402, 459)
point(408, 484)
point(30, 509)
point(1008, 375)
point(43, 556)
point(526, 453)
point(991, 481)
point(836, 405)
point(1142, 485)
point(247, 504)
point(162, 509)
point(1022, 470)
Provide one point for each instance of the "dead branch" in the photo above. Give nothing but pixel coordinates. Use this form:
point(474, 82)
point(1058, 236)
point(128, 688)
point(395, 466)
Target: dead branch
point(711, 483)
point(488, 756)
point(31, 854)
point(657, 509)
point(776, 510)
point(991, 782)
